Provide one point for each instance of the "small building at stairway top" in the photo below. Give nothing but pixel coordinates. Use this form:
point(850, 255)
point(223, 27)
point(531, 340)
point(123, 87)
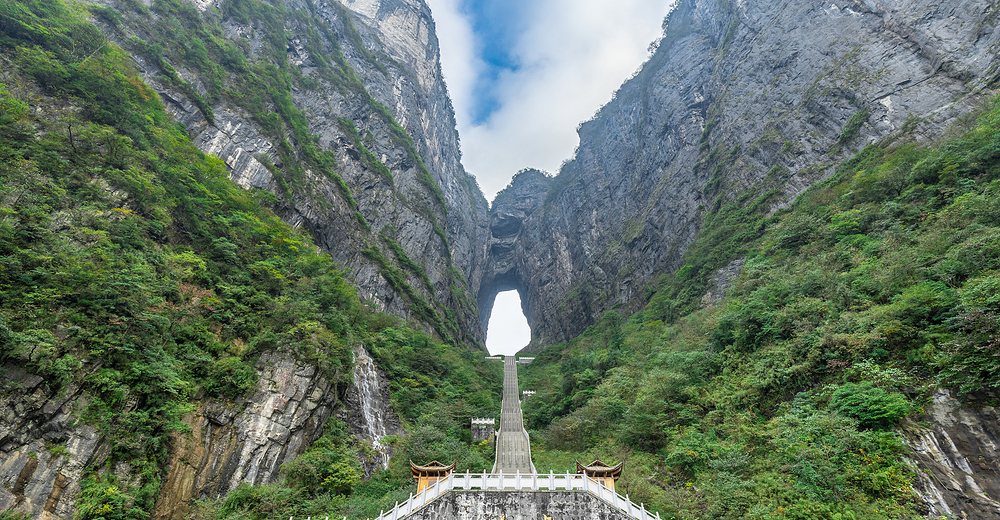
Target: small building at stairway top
point(601, 472)
point(483, 429)
point(427, 475)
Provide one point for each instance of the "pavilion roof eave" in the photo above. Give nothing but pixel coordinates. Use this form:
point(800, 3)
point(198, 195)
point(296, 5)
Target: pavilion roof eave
point(432, 467)
point(598, 468)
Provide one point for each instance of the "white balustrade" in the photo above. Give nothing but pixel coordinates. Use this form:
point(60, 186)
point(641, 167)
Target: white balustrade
point(517, 482)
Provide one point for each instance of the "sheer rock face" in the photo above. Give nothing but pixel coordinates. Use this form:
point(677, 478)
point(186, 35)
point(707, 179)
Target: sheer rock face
point(955, 448)
point(247, 441)
point(504, 251)
point(397, 61)
point(39, 480)
point(770, 87)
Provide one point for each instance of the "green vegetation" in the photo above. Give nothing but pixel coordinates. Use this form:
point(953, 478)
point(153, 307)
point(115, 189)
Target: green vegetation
point(173, 35)
point(876, 285)
point(132, 270)
point(406, 262)
point(853, 127)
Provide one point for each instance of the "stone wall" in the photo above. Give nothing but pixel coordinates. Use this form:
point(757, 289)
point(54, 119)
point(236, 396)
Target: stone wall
point(518, 505)
point(483, 429)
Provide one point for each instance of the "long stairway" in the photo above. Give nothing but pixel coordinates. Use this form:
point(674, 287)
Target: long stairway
point(513, 447)
point(513, 472)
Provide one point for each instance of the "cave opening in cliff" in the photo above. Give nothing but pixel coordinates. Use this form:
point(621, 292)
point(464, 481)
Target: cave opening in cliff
point(508, 329)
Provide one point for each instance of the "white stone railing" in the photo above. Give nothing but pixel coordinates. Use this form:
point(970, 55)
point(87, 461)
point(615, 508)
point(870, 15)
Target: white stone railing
point(517, 482)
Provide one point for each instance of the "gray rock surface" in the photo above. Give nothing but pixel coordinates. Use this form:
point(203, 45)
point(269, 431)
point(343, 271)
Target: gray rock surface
point(955, 451)
point(43, 453)
point(740, 97)
point(510, 209)
point(45, 448)
point(231, 443)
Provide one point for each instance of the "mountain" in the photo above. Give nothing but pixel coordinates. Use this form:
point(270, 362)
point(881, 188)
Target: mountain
point(739, 100)
point(231, 229)
point(345, 119)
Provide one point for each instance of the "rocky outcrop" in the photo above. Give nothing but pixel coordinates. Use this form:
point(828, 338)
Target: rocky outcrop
point(739, 98)
point(510, 209)
point(955, 454)
point(43, 455)
point(248, 441)
point(47, 448)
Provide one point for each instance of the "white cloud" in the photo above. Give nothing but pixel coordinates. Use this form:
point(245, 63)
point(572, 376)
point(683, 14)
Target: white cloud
point(458, 50)
point(508, 330)
point(573, 55)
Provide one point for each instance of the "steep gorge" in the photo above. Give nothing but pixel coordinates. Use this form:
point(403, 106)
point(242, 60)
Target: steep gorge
point(740, 100)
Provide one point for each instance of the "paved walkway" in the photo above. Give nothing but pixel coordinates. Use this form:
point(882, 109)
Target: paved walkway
point(513, 449)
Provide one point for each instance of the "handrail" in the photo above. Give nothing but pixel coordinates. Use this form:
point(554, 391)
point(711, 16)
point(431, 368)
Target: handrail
point(517, 482)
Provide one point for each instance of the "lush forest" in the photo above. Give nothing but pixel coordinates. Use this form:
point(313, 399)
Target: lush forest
point(134, 272)
point(852, 305)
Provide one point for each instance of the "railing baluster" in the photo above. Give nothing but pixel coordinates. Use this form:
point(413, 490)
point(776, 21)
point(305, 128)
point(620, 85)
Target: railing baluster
point(569, 482)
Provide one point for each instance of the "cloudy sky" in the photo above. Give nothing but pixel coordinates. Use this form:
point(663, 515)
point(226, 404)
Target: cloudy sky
point(523, 74)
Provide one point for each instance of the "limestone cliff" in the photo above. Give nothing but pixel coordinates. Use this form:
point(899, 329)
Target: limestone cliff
point(740, 98)
point(47, 450)
point(955, 450)
point(374, 176)
point(396, 207)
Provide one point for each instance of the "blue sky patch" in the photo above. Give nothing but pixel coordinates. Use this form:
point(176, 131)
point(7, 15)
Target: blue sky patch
point(497, 25)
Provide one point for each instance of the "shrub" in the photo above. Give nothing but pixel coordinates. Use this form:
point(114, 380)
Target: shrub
point(874, 408)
